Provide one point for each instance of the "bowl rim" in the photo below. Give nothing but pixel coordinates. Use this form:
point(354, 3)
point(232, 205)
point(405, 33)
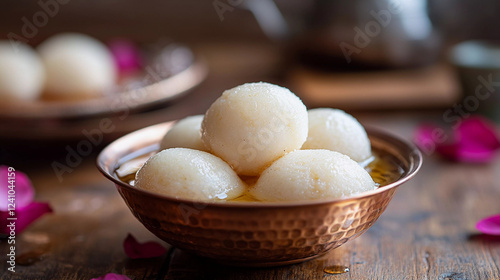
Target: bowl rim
point(414, 156)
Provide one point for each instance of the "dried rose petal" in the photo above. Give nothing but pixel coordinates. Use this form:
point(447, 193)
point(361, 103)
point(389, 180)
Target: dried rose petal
point(466, 153)
point(126, 55)
point(477, 132)
point(423, 136)
point(23, 190)
point(112, 276)
point(25, 216)
point(489, 225)
point(136, 250)
point(474, 140)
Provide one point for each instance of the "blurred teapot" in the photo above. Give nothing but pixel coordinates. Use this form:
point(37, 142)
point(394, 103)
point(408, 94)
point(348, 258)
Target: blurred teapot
point(367, 33)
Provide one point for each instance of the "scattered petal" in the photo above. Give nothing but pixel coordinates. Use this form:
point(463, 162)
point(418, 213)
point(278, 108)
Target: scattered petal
point(466, 153)
point(25, 216)
point(489, 225)
point(126, 55)
point(23, 192)
point(477, 131)
point(136, 250)
point(112, 276)
point(424, 136)
point(474, 140)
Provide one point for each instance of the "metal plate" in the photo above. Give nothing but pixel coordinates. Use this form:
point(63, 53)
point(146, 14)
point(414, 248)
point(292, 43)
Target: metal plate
point(161, 82)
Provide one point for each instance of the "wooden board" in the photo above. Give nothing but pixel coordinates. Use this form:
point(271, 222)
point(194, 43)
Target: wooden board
point(433, 86)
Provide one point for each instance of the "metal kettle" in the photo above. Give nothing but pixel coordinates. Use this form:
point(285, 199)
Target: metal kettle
point(378, 33)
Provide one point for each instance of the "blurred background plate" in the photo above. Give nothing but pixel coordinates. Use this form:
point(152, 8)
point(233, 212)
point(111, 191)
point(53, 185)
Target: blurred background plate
point(171, 73)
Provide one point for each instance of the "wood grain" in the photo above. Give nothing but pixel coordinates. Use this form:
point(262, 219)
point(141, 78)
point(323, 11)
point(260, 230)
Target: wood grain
point(426, 87)
point(427, 232)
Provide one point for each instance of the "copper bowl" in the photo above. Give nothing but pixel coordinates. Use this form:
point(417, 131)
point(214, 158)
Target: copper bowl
point(254, 233)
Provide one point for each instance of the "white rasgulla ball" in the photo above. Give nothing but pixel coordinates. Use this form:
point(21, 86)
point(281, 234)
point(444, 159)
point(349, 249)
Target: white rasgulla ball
point(22, 75)
point(78, 66)
point(335, 130)
point(186, 133)
point(252, 125)
point(189, 174)
point(310, 175)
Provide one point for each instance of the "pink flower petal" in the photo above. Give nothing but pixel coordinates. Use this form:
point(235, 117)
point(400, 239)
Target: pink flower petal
point(136, 250)
point(23, 190)
point(489, 225)
point(126, 55)
point(475, 140)
point(464, 153)
point(112, 276)
point(423, 135)
point(477, 131)
point(25, 216)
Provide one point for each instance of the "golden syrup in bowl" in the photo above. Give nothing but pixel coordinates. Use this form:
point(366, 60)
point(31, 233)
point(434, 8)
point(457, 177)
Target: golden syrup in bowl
point(383, 168)
point(257, 230)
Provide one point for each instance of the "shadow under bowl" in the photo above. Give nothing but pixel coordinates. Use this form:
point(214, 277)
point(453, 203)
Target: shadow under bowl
point(254, 233)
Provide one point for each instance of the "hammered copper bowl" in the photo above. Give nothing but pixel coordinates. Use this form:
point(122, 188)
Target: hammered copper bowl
point(254, 233)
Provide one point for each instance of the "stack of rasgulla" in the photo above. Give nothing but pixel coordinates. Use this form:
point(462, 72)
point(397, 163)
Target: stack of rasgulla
point(258, 129)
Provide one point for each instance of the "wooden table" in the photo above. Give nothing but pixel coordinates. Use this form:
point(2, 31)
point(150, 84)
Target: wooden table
point(427, 232)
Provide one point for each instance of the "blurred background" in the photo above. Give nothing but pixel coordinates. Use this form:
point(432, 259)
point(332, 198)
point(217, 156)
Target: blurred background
point(360, 56)
point(195, 21)
point(393, 64)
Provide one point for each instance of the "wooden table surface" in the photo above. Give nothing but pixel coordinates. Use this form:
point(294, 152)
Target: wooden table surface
point(427, 232)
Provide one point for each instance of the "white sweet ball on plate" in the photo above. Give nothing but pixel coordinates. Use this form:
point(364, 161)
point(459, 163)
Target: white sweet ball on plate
point(252, 125)
point(186, 133)
point(189, 174)
point(22, 75)
point(78, 66)
point(335, 130)
point(310, 175)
